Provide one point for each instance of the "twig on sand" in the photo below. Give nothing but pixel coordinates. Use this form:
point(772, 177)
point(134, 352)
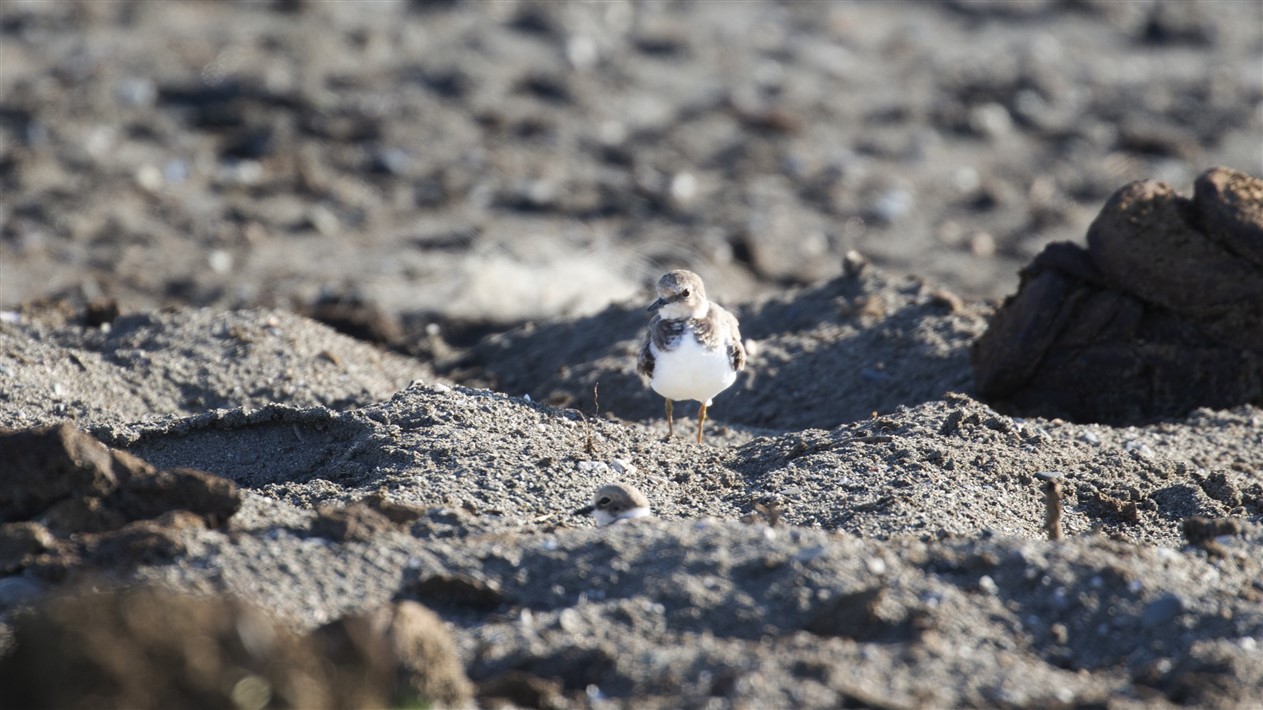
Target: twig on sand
point(588, 446)
point(1052, 503)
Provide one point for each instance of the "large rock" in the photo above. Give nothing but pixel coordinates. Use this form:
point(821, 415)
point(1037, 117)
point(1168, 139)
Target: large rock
point(44, 466)
point(149, 649)
point(1162, 313)
point(69, 498)
point(401, 646)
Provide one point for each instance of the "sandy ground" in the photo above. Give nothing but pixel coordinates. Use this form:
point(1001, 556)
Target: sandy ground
point(475, 198)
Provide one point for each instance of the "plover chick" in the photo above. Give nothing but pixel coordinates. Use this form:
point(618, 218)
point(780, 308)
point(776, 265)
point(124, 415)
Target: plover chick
point(615, 502)
point(693, 348)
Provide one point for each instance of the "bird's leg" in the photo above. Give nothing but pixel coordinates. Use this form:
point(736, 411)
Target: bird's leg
point(701, 419)
point(670, 424)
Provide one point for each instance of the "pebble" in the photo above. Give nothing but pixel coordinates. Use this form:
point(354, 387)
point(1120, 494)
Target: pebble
point(582, 52)
point(135, 91)
point(220, 261)
point(982, 244)
point(241, 173)
point(623, 466)
point(18, 590)
point(323, 220)
point(875, 565)
point(987, 584)
point(570, 621)
point(1161, 611)
point(808, 554)
point(1140, 449)
point(391, 161)
point(965, 179)
point(150, 178)
point(873, 375)
point(892, 204)
point(991, 120)
point(175, 172)
point(1060, 599)
point(593, 467)
point(683, 188)
point(36, 134)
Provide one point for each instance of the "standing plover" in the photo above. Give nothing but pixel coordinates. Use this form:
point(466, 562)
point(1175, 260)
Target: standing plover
point(693, 349)
point(615, 502)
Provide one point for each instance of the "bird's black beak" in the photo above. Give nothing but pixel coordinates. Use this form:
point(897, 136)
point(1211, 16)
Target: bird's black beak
point(585, 510)
point(657, 304)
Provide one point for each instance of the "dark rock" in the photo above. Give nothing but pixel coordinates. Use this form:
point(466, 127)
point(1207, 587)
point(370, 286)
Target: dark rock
point(45, 466)
point(455, 590)
point(427, 662)
point(522, 690)
point(397, 513)
point(20, 541)
point(353, 522)
point(99, 506)
point(19, 591)
point(1199, 530)
point(1229, 208)
point(1160, 315)
point(1161, 611)
point(147, 493)
point(1146, 244)
point(144, 542)
point(153, 648)
point(1211, 675)
point(100, 311)
point(1178, 23)
point(75, 484)
point(1218, 486)
point(353, 315)
point(402, 646)
point(361, 664)
point(81, 514)
point(865, 616)
point(546, 87)
point(149, 648)
point(535, 19)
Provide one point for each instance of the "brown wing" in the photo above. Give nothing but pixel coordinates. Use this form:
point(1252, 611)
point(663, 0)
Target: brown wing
point(644, 361)
point(736, 351)
point(737, 355)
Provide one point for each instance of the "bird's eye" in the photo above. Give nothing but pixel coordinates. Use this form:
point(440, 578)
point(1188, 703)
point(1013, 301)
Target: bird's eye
point(684, 293)
point(604, 502)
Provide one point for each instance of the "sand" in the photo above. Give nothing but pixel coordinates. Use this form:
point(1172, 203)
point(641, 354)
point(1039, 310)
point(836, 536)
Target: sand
point(353, 299)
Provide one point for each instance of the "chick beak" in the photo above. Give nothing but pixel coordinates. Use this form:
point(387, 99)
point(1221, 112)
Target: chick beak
point(657, 304)
point(585, 510)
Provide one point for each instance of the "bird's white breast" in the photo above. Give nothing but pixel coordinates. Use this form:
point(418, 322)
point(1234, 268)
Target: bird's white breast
point(690, 371)
point(603, 517)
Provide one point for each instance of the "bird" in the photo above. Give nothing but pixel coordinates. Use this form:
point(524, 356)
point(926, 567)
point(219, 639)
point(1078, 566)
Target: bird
point(693, 347)
point(615, 502)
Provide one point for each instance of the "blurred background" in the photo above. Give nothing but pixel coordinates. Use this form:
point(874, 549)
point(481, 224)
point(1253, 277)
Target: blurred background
point(466, 166)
